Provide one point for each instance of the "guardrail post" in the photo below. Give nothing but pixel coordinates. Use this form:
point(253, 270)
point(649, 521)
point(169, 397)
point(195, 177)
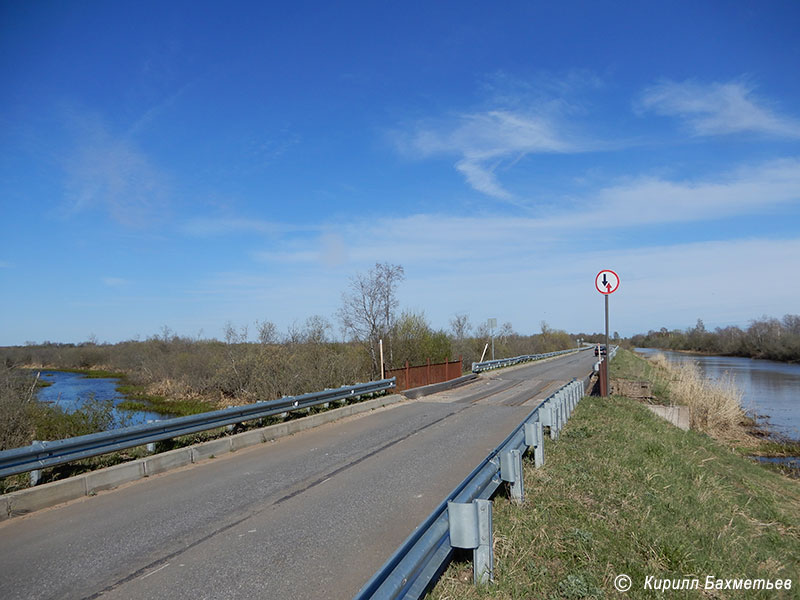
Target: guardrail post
point(35, 476)
point(471, 528)
point(572, 397)
point(150, 447)
point(535, 439)
point(555, 424)
point(511, 471)
point(546, 415)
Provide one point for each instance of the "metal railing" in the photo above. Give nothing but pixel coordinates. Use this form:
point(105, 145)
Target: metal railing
point(487, 365)
point(48, 454)
point(611, 355)
point(463, 519)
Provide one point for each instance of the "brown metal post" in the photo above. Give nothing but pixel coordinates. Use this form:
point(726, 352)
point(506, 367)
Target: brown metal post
point(603, 377)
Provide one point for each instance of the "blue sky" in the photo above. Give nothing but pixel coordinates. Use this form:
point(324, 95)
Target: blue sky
point(190, 164)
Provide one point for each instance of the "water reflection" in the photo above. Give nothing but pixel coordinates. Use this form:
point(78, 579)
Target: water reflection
point(769, 389)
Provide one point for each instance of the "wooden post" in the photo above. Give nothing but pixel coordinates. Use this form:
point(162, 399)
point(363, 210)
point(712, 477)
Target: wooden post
point(407, 382)
point(380, 344)
point(428, 373)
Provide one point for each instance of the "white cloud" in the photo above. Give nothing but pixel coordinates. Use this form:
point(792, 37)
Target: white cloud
point(718, 108)
point(647, 201)
point(482, 178)
point(650, 200)
point(481, 141)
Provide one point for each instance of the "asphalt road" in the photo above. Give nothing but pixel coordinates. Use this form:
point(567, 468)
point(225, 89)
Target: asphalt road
point(313, 515)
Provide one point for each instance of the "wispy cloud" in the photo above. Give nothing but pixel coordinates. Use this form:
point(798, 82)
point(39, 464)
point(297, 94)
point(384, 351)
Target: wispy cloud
point(112, 173)
point(483, 141)
point(654, 201)
point(718, 108)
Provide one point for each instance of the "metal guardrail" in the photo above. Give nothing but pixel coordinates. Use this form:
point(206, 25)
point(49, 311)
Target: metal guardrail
point(463, 519)
point(611, 355)
point(48, 454)
point(487, 365)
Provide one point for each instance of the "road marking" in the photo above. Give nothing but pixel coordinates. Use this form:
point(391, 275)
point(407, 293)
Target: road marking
point(153, 572)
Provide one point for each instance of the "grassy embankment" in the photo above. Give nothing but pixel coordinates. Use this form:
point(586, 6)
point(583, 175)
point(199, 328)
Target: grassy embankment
point(623, 491)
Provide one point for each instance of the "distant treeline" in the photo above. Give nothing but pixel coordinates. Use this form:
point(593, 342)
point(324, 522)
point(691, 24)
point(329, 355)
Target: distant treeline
point(305, 359)
point(770, 338)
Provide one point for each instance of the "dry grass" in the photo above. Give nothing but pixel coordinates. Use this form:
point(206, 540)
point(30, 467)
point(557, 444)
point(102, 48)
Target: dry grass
point(715, 405)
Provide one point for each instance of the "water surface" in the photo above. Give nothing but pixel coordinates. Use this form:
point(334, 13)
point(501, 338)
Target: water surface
point(70, 391)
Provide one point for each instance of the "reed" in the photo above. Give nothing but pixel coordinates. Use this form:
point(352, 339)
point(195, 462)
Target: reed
point(715, 405)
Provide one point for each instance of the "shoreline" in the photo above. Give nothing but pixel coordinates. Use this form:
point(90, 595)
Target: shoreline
point(760, 442)
point(757, 425)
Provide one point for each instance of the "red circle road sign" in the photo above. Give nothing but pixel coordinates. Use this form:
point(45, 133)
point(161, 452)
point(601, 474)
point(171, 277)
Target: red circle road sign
point(606, 282)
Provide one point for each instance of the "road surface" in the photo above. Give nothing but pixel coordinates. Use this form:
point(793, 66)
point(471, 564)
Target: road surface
point(308, 516)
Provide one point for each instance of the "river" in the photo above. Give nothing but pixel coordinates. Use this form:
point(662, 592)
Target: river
point(770, 390)
point(70, 391)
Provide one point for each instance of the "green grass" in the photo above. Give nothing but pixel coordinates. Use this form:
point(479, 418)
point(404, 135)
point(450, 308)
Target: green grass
point(627, 365)
point(760, 442)
point(622, 491)
point(176, 408)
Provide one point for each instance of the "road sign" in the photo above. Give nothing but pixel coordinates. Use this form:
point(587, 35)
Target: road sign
point(606, 282)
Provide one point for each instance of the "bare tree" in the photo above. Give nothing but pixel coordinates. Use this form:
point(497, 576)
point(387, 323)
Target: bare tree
point(267, 332)
point(506, 331)
point(368, 308)
point(460, 326)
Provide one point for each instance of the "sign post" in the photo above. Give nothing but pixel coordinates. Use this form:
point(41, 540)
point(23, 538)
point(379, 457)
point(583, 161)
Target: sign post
point(606, 283)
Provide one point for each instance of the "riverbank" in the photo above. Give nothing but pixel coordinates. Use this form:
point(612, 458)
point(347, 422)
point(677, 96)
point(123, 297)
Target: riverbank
point(624, 492)
point(767, 390)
